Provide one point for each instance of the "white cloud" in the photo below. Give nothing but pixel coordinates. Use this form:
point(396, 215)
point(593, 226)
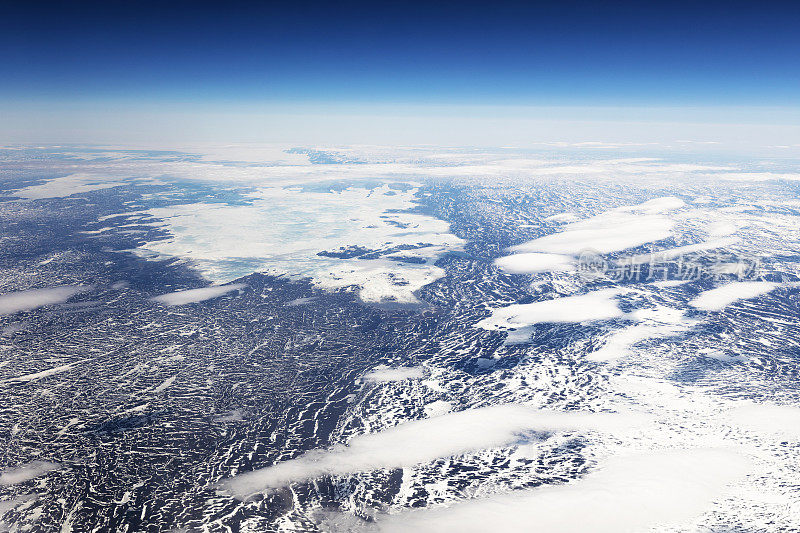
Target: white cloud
point(757, 176)
point(721, 297)
point(530, 263)
point(380, 375)
point(656, 205)
point(780, 420)
point(425, 440)
point(13, 503)
point(673, 253)
point(232, 416)
point(627, 494)
point(610, 232)
point(562, 218)
point(437, 408)
point(196, 295)
point(655, 323)
point(597, 305)
point(14, 302)
point(721, 228)
point(26, 472)
point(671, 282)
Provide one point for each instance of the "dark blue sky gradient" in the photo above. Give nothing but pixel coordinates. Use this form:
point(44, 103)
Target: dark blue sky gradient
point(565, 53)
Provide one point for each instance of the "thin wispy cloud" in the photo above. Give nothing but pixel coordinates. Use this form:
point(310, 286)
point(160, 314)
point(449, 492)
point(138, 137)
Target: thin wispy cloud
point(192, 296)
point(14, 302)
point(26, 472)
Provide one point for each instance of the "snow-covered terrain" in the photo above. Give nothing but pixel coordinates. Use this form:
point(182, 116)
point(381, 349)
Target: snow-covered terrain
point(368, 338)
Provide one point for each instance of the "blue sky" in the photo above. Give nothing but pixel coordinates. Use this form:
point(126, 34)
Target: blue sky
point(217, 56)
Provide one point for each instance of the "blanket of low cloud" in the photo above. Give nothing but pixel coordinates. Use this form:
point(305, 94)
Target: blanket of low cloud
point(627, 494)
point(282, 231)
point(425, 440)
point(14, 302)
point(719, 298)
point(380, 375)
point(26, 472)
point(596, 305)
point(191, 296)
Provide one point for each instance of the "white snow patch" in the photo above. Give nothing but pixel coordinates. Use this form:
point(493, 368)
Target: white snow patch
point(67, 186)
